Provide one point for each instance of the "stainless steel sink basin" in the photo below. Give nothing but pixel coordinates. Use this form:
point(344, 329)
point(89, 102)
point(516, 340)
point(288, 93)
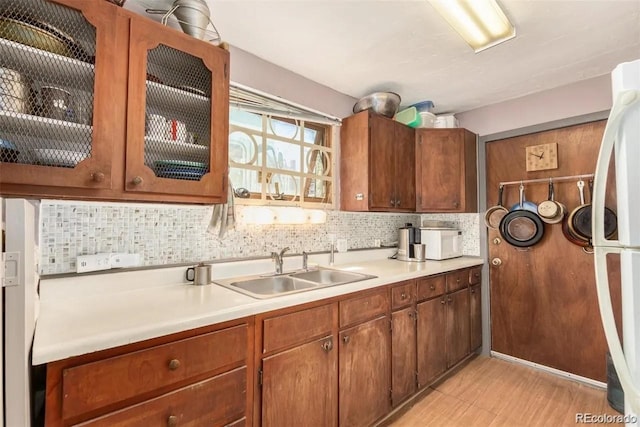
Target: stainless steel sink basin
point(331, 277)
point(268, 287)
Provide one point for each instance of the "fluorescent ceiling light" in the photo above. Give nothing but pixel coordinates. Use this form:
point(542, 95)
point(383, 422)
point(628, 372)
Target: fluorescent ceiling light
point(481, 23)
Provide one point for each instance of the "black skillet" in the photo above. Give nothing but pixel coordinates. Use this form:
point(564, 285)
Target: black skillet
point(581, 219)
point(521, 227)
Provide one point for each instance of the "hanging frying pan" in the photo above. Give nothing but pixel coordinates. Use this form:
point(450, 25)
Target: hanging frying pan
point(494, 214)
point(567, 229)
point(549, 210)
point(581, 221)
point(521, 227)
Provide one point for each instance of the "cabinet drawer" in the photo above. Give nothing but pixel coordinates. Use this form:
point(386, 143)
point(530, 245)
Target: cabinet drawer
point(475, 275)
point(212, 402)
point(403, 295)
point(296, 328)
point(356, 310)
point(431, 287)
point(95, 385)
point(457, 280)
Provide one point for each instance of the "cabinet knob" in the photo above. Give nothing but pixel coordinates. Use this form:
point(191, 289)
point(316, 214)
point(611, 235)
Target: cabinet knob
point(172, 421)
point(392, 202)
point(174, 364)
point(412, 314)
point(97, 177)
point(449, 300)
point(403, 296)
point(455, 204)
point(345, 339)
point(327, 345)
point(137, 180)
point(473, 291)
point(442, 301)
point(398, 202)
point(458, 280)
point(432, 287)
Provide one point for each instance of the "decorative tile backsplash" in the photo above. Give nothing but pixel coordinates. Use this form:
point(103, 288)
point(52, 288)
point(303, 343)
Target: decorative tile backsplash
point(171, 234)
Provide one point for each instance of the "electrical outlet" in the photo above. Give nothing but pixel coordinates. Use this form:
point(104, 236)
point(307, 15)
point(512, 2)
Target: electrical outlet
point(341, 245)
point(377, 243)
point(95, 262)
point(125, 260)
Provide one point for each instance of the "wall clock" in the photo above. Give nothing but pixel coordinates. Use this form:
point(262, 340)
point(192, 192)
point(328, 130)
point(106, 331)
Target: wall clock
point(542, 157)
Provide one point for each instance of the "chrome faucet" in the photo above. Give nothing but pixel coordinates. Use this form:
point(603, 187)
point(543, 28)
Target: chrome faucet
point(332, 254)
point(305, 260)
point(277, 257)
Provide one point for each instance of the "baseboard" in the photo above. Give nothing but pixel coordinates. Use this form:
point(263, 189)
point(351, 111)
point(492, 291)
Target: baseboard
point(558, 372)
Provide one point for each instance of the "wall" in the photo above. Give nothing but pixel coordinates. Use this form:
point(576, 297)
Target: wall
point(576, 99)
point(257, 73)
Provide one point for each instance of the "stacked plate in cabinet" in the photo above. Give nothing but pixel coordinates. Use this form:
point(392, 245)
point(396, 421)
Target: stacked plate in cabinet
point(179, 169)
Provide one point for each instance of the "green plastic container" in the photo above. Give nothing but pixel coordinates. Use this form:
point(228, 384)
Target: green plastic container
point(409, 117)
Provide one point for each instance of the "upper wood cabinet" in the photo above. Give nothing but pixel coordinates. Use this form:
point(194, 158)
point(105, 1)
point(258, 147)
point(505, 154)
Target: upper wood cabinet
point(446, 172)
point(377, 164)
point(134, 110)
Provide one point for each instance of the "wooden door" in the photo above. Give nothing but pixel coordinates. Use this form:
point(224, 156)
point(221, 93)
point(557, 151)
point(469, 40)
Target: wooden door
point(182, 82)
point(475, 304)
point(543, 299)
point(364, 373)
point(381, 163)
point(403, 354)
point(69, 146)
point(457, 326)
point(431, 340)
point(405, 164)
point(446, 170)
point(300, 386)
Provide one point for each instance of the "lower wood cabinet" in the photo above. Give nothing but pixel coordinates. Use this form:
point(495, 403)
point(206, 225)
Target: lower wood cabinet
point(197, 377)
point(475, 324)
point(457, 327)
point(403, 354)
point(364, 373)
point(431, 332)
point(299, 386)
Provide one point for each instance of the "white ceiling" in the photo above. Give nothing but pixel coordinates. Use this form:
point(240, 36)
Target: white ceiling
point(360, 46)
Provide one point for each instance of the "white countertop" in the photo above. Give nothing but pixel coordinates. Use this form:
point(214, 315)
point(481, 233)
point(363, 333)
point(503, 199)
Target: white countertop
point(84, 314)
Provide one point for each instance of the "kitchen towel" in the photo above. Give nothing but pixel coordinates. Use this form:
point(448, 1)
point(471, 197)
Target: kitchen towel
point(224, 213)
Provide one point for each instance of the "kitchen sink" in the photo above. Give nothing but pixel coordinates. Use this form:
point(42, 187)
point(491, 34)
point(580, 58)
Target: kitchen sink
point(326, 277)
point(268, 287)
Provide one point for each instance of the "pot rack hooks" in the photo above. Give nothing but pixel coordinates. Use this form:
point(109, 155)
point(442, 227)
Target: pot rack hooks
point(546, 180)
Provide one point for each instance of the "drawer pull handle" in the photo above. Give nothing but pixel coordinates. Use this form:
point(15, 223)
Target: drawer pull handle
point(172, 421)
point(327, 345)
point(174, 364)
point(403, 296)
point(432, 287)
point(458, 280)
point(442, 301)
point(345, 339)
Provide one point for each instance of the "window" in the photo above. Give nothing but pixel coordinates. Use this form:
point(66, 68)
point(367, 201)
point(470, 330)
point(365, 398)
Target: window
point(280, 160)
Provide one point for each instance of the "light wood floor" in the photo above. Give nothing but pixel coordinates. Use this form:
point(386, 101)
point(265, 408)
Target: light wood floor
point(493, 392)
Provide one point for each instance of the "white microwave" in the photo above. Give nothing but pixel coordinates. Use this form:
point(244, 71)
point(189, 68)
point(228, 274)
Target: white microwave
point(441, 243)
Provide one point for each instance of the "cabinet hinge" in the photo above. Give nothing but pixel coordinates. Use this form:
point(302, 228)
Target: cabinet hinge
point(260, 377)
point(11, 264)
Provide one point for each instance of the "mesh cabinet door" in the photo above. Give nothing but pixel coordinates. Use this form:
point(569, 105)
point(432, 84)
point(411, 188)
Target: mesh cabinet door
point(178, 115)
point(53, 75)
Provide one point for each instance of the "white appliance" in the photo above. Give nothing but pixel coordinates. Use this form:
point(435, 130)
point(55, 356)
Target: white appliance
point(18, 280)
point(441, 243)
point(622, 136)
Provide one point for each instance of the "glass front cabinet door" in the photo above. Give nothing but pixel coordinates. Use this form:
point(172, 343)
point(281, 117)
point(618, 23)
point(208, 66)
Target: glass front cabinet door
point(54, 103)
point(178, 114)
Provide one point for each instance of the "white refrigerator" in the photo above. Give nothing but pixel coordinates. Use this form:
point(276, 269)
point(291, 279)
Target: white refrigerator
point(622, 138)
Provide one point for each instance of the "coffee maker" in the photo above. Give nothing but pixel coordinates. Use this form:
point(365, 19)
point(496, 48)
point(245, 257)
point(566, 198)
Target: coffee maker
point(410, 247)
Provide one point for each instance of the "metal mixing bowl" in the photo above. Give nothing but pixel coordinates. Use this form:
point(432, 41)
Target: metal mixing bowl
point(385, 103)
